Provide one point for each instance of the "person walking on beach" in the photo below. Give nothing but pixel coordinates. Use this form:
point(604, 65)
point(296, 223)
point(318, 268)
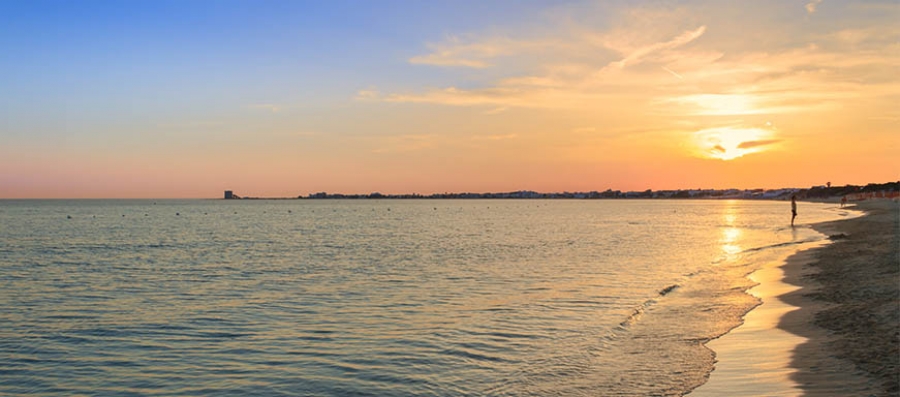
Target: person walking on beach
point(793, 208)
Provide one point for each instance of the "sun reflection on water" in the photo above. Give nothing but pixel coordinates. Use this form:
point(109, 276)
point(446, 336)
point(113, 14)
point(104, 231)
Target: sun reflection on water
point(730, 234)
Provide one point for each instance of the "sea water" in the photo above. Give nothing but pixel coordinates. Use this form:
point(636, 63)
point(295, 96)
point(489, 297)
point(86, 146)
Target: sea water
point(378, 297)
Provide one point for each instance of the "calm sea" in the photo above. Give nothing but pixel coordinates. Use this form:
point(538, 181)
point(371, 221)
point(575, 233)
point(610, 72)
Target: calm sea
point(377, 298)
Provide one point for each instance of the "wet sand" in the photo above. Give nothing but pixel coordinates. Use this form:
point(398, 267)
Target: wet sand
point(828, 322)
point(849, 307)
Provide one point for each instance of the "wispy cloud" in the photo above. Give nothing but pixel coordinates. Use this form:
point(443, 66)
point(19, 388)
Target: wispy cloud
point(271, 107)
point(367, 94)
point(753, 144)
point(495, 137)
point(496, 110)
point(405, 143)
point(636, 56)
point(455, 52)
point(672, 72)
point(811, 6)
point(643, 64)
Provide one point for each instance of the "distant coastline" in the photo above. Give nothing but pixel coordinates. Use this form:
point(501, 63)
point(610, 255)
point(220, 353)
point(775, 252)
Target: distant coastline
point(852, 192)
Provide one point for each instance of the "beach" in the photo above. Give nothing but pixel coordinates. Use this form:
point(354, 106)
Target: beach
point(849, 306)
point(828, 321)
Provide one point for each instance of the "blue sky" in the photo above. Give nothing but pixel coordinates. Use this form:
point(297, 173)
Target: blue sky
point(411, 96)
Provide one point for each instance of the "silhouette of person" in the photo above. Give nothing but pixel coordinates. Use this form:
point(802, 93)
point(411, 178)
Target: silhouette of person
point(793, 208)
point(843, 201)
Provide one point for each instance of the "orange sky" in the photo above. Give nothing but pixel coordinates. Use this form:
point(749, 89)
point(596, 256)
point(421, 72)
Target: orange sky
point(572, 96)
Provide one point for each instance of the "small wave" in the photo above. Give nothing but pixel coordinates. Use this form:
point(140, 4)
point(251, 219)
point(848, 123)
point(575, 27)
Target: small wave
point(639, 311)
point(778, 245)
point(473, 355)
point(667, 290)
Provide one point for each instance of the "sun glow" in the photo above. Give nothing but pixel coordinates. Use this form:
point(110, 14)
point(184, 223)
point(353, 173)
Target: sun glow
point(729, 143)
point(720, 105)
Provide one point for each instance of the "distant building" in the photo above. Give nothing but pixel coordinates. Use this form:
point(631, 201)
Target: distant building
point(229, 195)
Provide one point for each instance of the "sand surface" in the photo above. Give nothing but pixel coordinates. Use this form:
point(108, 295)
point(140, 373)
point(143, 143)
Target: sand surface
point(828, 322)
point(850, 307)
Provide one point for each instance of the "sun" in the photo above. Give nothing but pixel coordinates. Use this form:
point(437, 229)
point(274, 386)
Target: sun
point(729, 143)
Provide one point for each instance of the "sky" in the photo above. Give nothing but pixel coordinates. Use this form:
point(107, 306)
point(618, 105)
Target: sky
point(157, 99)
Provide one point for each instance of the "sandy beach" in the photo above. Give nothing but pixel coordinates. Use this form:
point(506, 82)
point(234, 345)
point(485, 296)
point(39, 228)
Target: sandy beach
point(828, 323)
point(850, 306)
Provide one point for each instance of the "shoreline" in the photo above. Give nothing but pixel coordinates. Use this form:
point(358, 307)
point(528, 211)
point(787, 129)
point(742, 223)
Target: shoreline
point(849, 301)
point(827, 323)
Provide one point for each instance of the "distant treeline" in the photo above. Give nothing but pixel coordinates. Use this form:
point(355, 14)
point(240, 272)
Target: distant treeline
point(813, 192)
point(837, 191)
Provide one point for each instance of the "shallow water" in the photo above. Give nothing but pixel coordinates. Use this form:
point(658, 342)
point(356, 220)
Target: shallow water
point(372, 297)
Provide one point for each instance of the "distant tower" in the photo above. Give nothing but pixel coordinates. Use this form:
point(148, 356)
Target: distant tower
point(229, 195)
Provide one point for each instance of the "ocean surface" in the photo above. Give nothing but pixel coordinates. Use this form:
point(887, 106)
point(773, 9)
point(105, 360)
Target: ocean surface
point(378, 297)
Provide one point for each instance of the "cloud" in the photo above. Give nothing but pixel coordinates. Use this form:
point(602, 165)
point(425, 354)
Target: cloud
point(495, 137)
point(367, 94)
point(635, 56)
point(811, 6)
point(496, 110)
point(406, 143)
point(654, 63)
point(731, 142)
point(274, 108)
point(454, 52)
point(563, 84)
point(753, 144)
point(672, 72)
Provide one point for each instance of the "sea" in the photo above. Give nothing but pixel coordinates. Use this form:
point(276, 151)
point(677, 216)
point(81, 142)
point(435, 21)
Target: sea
point(378, 297)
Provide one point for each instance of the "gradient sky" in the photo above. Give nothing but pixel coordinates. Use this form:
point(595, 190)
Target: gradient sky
point(284, 98)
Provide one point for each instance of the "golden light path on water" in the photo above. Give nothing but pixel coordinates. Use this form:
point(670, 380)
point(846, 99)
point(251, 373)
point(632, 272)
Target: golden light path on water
point(730, 234)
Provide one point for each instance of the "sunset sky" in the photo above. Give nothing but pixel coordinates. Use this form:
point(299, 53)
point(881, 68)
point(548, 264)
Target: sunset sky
point(284, 98)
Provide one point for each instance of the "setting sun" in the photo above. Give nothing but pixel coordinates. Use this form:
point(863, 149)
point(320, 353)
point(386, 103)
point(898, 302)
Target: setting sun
point(731, 143)
point(446, 96)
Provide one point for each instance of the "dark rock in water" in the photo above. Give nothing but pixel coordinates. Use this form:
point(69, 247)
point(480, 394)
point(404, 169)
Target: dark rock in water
point(68, 216)
point(837, 236)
